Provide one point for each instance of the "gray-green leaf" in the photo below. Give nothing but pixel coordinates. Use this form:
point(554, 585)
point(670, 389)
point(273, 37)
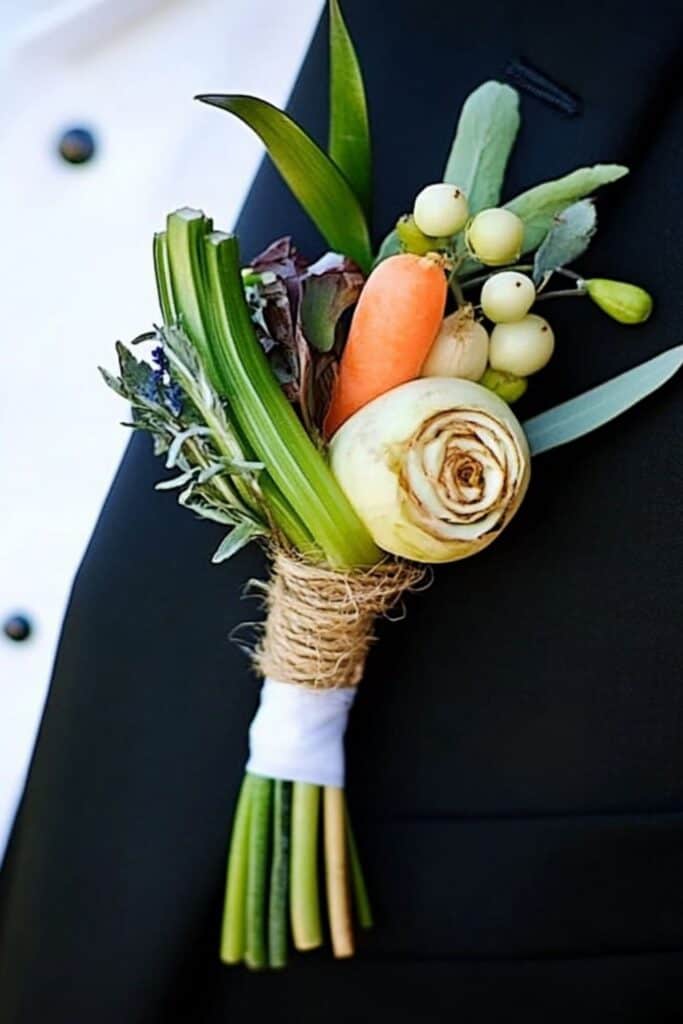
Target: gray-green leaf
point(175, 481)
point(179, 440)
point(484, 138)
point(591, 410)
point(314, 179)
point(568, 237)
point(539, 205)
point(234, 541)
point(349, 136)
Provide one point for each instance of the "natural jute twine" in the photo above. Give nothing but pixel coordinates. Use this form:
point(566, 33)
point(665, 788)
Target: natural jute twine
point(319, 626)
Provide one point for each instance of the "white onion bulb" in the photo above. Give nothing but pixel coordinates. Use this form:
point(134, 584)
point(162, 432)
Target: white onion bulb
point(460, 349)
point(435, 468)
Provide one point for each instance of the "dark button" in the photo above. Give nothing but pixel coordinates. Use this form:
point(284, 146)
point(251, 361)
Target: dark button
point(77, 145)
point(17, 627)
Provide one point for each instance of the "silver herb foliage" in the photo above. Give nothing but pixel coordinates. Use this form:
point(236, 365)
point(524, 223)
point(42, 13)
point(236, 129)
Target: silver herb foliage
point(173, 399)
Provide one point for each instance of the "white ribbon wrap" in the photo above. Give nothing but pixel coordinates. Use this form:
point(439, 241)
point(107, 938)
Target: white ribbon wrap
point(298, 733)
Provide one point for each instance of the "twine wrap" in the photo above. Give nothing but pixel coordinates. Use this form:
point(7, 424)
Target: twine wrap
point(319, 625)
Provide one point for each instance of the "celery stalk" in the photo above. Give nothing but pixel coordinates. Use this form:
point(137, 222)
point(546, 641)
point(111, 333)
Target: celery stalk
point(185, 231)
point(360, 889)
point(163, 278)
point(304, 900)
point(234, 914)
point(181, 285)
point(285, 518)
point(268, 421)
point(279, 875)
point(255, 948)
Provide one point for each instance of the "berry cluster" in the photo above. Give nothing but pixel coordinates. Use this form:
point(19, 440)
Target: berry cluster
point(519, 343)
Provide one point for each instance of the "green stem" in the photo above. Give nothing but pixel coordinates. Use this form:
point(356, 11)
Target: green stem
point(304, 899)
point(360, 890)
point(563, 293)
point(234, 913)
point(337, 872)
point(255, 953)
point(268, 421)
point(470, 282)
point(454, 285)
point(279, 875)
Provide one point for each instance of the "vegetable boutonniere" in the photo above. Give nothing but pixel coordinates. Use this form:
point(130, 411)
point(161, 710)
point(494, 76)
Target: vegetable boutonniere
point(357, 457)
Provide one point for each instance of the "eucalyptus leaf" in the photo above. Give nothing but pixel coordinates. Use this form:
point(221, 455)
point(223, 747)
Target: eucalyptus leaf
point(234, 541)
point(569, 236)
point(486, 133)
point(349, 135)
point(587, 412)
point(538, 206)
point(314, 179)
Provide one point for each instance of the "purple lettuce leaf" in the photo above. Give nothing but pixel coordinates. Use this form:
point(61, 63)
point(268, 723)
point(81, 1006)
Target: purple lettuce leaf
point(297, 312)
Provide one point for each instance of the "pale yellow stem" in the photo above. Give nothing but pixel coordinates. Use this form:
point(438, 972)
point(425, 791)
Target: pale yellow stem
point(337, 872)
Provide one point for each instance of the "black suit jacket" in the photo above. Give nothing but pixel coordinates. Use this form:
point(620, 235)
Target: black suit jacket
point(515, 755)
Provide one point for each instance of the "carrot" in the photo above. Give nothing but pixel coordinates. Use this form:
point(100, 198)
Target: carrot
point(397, 318)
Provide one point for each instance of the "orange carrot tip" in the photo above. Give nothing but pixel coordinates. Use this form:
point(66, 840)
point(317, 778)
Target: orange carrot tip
point(394, 325)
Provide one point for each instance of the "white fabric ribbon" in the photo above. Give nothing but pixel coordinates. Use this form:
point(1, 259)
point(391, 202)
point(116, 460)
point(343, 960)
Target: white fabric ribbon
point(298, 733)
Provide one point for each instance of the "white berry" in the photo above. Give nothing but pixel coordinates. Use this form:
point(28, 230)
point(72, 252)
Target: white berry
point(507, 296)
point(495, 236)
point(523, 347)
point(441, 210)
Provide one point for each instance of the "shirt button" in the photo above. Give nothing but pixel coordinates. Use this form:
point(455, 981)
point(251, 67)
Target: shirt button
point(17, 627)
point(77, 145)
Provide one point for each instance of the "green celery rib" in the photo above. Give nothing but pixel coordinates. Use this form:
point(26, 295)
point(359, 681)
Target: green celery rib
point(181, 284)
point(286, 519)
point(360, 889)
point(185, 231)
point(233, 933)
point(278, 919)
point(268, 421)
point(255, 948)
point(163, 278)
point(304, 893)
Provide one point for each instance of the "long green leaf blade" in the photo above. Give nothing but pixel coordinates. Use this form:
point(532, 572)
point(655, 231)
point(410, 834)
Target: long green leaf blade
point(349, 136)
point(317, 183)
point(538, 206)
point(483, 141)
point(587, 412)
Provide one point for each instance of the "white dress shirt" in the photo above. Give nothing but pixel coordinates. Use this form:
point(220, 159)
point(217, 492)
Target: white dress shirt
point(75, 264)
